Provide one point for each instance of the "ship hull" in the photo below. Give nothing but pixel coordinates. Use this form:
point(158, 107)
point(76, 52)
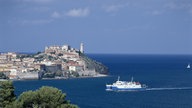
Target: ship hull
point(126, 89)
point(114, 88)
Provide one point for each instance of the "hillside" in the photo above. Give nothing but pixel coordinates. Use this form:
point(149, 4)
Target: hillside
point(54, 61)
point(94, 65)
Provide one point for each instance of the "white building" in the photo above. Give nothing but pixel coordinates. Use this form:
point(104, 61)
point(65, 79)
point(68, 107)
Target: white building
point(13, 74)
point(8, 56)
point(3, 57)
point(28, 60)
point(75, 68)
point(65, 47)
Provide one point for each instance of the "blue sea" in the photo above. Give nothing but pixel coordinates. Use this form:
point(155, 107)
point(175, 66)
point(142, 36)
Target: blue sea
point(167, 76)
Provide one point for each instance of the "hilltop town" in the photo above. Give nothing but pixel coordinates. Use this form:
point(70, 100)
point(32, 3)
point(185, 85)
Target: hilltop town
point(54, 62)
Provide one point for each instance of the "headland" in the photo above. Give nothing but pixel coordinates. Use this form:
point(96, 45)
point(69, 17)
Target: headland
point(55, 62)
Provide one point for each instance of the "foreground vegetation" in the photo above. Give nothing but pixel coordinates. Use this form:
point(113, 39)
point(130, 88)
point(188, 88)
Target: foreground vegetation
point(44, 97)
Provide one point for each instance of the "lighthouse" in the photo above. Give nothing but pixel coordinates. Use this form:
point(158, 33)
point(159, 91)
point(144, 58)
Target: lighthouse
point(81, 48)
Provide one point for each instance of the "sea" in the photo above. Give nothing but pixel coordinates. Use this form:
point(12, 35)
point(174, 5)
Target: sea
point(168, 79)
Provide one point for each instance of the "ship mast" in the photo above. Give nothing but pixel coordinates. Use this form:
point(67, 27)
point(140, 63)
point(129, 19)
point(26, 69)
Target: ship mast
point(131, 79)
point(118, 78)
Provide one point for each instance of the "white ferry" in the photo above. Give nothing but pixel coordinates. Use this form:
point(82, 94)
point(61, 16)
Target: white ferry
point(125, 86)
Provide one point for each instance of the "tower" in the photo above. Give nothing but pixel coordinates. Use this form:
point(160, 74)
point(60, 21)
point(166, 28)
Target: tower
point(81, 48)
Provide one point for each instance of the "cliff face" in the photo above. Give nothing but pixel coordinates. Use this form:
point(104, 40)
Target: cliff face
point(92, 65)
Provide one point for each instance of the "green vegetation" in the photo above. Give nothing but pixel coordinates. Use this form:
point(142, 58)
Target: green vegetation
point(60, 54)
point(2, 76)
point(45, 97)
point(39, 52)
point(7, 95)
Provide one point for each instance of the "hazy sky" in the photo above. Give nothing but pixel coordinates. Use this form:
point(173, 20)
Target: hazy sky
point(104, 26)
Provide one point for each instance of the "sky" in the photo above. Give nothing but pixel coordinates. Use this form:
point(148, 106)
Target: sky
point(104, 26)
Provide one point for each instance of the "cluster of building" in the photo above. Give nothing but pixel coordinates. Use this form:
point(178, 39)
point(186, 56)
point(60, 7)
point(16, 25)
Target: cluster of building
point(59, 60)
point(12, 65)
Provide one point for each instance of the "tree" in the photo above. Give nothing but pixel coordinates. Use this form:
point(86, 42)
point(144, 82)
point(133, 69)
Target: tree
point(39, 52)
point(27, 99)
point(45, 97)
point(2, 76)
point(7, 95)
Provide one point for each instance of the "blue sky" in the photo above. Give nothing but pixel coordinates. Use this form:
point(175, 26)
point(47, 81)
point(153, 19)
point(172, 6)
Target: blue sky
point(104, 26)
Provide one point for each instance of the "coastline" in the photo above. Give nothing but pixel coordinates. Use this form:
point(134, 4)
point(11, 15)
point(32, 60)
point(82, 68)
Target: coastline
point(53, 63)
point(101, 75)
point(59, 78)
point(81, 77)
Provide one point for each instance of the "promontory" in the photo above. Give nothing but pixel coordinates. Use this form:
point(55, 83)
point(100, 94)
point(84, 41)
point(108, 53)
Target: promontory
point(54, 62)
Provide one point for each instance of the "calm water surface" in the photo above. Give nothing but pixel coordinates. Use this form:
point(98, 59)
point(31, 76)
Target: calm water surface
point(156, 71)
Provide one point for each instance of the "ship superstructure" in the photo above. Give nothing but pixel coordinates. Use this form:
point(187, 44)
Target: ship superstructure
point(125, 86)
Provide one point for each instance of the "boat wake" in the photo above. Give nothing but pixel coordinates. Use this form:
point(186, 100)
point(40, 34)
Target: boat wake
point(136, 86)
point(153, 89)
point(173, 88)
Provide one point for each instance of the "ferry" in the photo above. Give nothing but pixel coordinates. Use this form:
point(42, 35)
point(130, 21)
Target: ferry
point(125, 86)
